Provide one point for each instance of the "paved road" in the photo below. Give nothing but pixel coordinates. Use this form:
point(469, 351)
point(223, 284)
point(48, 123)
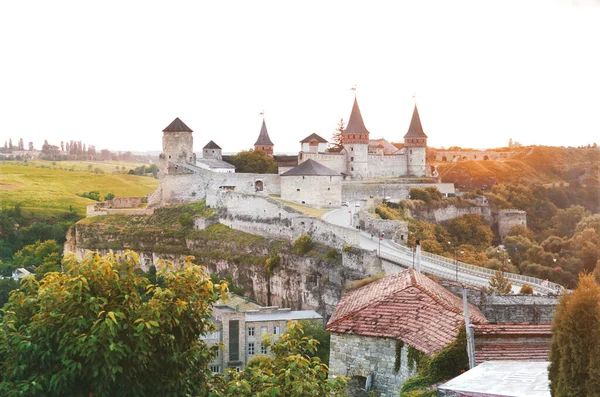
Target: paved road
point(396, 256)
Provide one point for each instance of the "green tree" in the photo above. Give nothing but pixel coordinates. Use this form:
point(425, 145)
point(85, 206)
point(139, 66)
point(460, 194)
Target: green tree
point(575, 349)
point(46, 254)
point(314, 330)
point(109, 196)
point(337, 140)
point(101, 329)
point(293, 372)
point(254, 161)
point(6, 285)
point(498, 284)
point(470, 229)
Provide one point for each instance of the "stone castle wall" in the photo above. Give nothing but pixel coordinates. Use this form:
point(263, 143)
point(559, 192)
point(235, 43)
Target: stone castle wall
point(119, 205)
point(313, 190)
point(438, 215)
point(335, 161)
point(381, 166)
point(184, 188)
point(269, 217)
point(519, 308)
point(509, 218)
point(395, 230)
point(396, 190)
point(357, 356)
point(458, 155)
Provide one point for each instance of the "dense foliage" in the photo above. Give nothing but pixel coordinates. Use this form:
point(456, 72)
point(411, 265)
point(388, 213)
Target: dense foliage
point(575, 350)
point(294, 371)
point(101, 328)
point(254, 161)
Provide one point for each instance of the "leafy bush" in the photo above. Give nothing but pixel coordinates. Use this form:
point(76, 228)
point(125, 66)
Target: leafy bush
point(347, 247)
point(303, 244)
point(186, 220)
point(109, 196)
point(526, 289)
point(93, 195)
point(332, 253)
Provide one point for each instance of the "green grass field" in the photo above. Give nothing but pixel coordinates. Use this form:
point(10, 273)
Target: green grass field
point(50, 191)
point(107, 167)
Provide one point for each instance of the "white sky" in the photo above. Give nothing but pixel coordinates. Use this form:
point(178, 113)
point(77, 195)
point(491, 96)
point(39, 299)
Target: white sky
point(116, 73)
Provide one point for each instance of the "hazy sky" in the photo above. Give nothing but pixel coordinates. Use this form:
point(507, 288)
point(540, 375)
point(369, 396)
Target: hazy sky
point(116, 73)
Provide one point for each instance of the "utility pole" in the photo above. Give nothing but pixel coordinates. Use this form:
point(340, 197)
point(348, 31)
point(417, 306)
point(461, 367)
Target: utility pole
point(469, 330)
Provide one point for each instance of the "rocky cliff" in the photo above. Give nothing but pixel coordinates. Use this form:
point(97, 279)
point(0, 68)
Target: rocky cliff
point(315, 280)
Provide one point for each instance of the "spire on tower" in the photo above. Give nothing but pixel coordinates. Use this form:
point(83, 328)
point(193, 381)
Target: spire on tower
point(415, 130)
point(356, 124)
point(263, 136)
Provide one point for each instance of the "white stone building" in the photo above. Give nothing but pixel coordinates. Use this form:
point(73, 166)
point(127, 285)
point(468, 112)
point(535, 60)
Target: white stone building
point(212, 159)
point(312, 184)
point(243, 325)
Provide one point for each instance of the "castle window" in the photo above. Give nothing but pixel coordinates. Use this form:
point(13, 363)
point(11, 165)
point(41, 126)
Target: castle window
point(169, 156)
point(328, 188)
point(411, 151)
point(302, 176)
point(351, 168)
point(351, 149)
point(297, 190)
point(351, 158)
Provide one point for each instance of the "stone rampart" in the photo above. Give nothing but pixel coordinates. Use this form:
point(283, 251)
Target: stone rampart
point(358, 356)
point(395, 230)
point(509, 218)
point(119, 205)
point(443, 214)
point(184, 188)
point(395, 190)
point(519, 308)
point(268, 217)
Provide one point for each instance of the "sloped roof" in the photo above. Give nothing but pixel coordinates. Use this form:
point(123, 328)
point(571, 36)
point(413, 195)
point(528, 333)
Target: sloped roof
point(388, 148)
point(177, 126)
point(311, 167)
point(512, 342)
point(263, 136)
point(415, 130)
point(211, 145)
point(406, 306)
point(356, 124)
point(313, 137)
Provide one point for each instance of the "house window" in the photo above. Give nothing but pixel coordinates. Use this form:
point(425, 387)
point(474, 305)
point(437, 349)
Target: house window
point(251, 331)
point(215, 369)
point(264, 330)
point(251, 348)
point(264, 349)
point(276, 330)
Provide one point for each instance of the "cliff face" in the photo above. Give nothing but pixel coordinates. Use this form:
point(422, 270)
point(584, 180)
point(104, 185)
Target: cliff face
point(312, 281)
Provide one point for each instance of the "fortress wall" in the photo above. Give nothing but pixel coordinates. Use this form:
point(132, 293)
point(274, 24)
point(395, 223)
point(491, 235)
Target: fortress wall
point(381, 166)
point(509, 218)
point(444, 214)
point(271, 218)
point(321, 191)
point(352, 191)
point(395, 230)
point(471, 155)
point(335, 161)
point(193, 187)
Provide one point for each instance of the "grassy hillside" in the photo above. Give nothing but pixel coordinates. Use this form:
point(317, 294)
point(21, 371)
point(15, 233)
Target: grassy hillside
point(51, 191)
point(540, 164)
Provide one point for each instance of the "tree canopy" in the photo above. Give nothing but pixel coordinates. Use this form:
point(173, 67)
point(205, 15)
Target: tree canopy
point(575, 350)
point(254, 161)
point(100, 328)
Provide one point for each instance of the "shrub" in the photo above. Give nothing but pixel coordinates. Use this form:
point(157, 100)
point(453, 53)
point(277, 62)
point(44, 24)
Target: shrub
point(109, 196)
point(332, 253)
point(303, 244)
point(526, 289)
point(185, 220)
point(347, 247)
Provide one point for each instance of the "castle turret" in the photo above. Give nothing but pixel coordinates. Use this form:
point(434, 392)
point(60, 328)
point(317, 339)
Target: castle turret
point(178, 145)
point(263, 143)
point(415, 142)
point(212, 151)
point(355, 139)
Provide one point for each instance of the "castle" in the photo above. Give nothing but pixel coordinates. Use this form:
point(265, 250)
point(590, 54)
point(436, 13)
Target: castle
point(360, 157)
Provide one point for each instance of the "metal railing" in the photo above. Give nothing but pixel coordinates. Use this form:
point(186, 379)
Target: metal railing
point(463, 267)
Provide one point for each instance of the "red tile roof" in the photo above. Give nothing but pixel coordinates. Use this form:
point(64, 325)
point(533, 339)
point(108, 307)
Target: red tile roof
point(406, 306)
point(514, 342)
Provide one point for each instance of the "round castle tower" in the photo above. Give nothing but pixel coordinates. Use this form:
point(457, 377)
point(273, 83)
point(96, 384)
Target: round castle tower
point(355, 139)
point(415, 142)
point(178, 146)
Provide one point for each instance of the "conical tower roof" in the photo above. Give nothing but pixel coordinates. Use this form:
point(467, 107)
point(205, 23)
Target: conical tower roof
point(415, 130)
point(177, 126)
point(263, 137)
point(356, 124)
